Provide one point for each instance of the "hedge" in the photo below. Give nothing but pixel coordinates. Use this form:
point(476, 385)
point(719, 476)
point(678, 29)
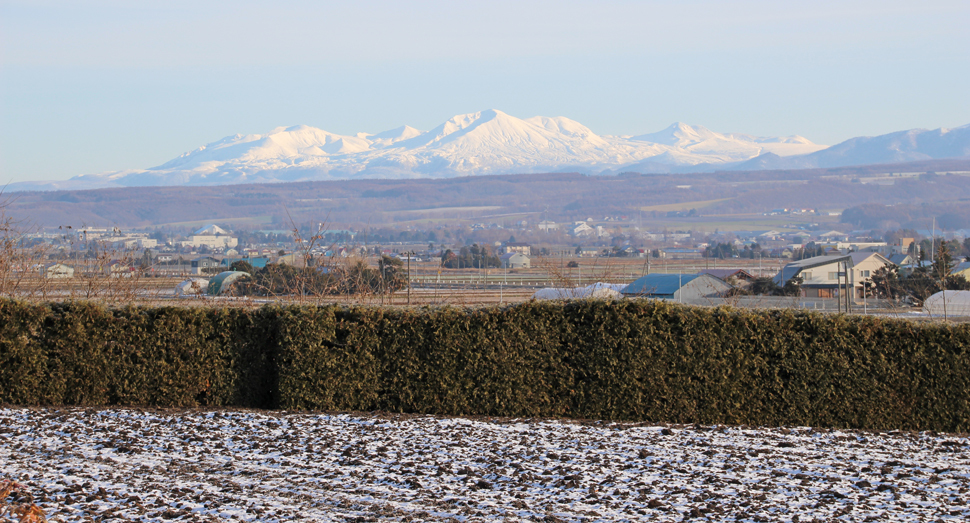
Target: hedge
point(627, 360)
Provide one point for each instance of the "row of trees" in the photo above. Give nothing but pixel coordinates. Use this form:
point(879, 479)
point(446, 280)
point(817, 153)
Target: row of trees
point(923, 281)
point(474, 256)
point(355, 278)
point(724, 251)
point(766, 286)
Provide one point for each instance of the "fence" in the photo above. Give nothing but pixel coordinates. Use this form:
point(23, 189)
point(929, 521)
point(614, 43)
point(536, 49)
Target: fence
point(792, 302)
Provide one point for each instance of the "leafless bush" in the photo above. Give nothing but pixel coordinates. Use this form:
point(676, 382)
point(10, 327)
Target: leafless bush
point(20, 511)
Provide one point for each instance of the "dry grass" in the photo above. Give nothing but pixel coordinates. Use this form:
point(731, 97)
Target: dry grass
point(21, 508)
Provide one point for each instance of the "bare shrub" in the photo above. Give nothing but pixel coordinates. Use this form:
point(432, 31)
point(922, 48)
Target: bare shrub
point(22, 512)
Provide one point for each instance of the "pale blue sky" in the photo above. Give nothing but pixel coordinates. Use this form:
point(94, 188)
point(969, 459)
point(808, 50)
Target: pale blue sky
point(91, 86)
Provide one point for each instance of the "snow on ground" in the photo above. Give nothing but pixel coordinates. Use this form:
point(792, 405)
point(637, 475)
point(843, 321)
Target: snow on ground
point(165, 465)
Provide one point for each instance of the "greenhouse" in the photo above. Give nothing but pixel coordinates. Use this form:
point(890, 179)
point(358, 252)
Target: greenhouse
point(221, 284)
point(957, 304)
point(191, 287)
point(600, 291)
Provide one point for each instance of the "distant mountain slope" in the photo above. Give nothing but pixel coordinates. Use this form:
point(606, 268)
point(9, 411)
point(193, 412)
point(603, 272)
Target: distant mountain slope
point(902, 146)
point(486, 142)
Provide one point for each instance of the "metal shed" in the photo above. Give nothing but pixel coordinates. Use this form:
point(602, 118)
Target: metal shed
point(677, 287)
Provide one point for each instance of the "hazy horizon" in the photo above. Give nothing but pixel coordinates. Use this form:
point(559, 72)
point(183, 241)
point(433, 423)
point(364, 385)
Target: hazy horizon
point(120, 85)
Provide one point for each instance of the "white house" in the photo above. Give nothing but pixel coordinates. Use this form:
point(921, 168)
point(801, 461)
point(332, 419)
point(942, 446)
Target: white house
point(864, 265)
point(515, 260)
point(58, 271)
point(581, 229)
point(211, 236)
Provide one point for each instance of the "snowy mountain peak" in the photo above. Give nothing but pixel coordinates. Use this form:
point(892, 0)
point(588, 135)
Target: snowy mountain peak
point(679, 134)
point(483, 142)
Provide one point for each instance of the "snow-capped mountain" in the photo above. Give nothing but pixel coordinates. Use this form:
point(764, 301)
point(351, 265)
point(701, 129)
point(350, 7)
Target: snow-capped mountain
point(901, 146)
point(486, 142)
point(493, 142)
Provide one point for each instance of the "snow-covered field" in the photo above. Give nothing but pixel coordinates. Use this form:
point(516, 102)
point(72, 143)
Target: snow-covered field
point(157, 465)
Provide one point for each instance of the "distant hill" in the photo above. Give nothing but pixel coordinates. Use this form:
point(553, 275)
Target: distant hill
point(497, 198)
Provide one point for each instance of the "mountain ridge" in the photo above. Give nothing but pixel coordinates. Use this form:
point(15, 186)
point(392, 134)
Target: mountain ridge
point(494, 142)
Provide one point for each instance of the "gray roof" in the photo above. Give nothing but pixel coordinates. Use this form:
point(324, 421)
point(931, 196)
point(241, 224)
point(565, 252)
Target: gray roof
point(792, 269)
point(819, 260)
point(899, 259)
point(664, 284)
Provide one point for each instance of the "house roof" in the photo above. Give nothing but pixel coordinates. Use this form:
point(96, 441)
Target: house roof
point(509, 255)
point(728, 273)
point(901, 259)
point(792, 269)
point(859, 257)
point(664, 284)
point(211, 229)
point(817, 261)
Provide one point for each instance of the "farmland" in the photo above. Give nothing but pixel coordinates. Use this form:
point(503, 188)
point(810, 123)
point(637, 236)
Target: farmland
point(196, 465)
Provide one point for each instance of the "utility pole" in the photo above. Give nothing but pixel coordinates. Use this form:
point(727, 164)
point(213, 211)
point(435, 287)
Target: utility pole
point(848, 289)
point(838, 285)
point(409, 254)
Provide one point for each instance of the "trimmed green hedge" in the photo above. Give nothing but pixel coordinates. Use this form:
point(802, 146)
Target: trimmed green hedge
point(630, 360)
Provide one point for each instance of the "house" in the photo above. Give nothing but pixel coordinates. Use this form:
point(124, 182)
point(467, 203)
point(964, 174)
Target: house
point(581, 229)
point(519, 247)
point(118, 269)
point(864, 265)
point(589, 252)
point(199, 265)
point(131, 241)
point(902, 246)
point(546, 225)
point(515, 260)
point(256, 262)
point(58, 271)
point(962, 269)
point(902, 260)
point(677, 287)
point(297, 259)
point(211, 236)
point(831, 235)
point(821, 275)
point(681, 254)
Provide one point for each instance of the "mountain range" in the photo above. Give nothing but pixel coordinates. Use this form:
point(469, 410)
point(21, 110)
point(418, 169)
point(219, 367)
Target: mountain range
point(493, 142)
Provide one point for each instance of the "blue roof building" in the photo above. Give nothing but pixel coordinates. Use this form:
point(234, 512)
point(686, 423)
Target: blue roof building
point(677, 287)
